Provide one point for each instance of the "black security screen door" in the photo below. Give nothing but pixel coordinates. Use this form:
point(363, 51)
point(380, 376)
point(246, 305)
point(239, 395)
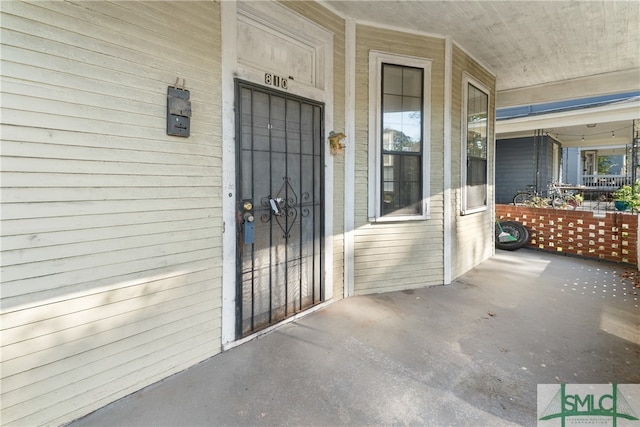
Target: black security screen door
point(279, 206)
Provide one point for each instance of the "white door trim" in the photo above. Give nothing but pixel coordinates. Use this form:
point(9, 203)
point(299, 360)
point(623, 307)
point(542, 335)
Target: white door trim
point(229, 63)
point(278, 21)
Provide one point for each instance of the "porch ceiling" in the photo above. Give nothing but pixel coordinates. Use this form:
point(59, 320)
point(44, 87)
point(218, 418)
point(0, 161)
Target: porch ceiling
point(540, 51)
point(606, 134)
point(527, 44)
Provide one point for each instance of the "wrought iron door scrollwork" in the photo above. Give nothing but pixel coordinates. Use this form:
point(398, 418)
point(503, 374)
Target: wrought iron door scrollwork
point(283, 207)
point(304, 210)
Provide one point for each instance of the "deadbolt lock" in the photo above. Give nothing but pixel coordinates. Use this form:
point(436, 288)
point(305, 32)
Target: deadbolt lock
point(246, 217)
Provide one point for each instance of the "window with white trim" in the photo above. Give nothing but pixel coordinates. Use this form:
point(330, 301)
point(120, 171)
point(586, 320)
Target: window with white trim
point(475, 148)
point(399, 137)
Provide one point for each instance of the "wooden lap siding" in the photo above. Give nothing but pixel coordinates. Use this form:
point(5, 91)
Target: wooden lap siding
point(111, 249)
point(472, 234)
point(406, 254)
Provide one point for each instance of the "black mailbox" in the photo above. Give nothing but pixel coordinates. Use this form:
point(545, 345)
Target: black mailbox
point(178, 112)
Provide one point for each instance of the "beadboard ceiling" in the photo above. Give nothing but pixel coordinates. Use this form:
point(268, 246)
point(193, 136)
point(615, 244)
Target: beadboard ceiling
point(525, 43)
point(540, 51)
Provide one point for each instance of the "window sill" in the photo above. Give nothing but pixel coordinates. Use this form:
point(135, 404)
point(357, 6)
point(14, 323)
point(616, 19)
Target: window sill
point(400, 218)
point(474, 210)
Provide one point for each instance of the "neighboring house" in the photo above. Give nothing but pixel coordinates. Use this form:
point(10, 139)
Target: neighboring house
point(129, 254)
point(606, 167)
point(536, 162)
point(572, 142)
point(524, 163)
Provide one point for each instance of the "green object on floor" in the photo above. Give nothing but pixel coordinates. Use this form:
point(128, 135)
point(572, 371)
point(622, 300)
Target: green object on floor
point(504, 236)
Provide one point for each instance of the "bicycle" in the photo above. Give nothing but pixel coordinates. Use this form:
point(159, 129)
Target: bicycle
point(562, 199)
point(556, 198)
point(526, 197)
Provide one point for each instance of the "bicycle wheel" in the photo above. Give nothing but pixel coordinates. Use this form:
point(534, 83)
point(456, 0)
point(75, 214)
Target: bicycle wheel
point(566, 202)
point(521, 198)
point(516, 230)
point(571, 202)
point(557, 203)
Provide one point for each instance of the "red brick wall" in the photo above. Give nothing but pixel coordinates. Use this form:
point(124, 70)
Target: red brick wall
point(612, 237)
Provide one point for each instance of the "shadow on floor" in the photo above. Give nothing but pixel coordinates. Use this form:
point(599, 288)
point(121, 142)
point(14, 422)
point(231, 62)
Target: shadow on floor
point(471, 353)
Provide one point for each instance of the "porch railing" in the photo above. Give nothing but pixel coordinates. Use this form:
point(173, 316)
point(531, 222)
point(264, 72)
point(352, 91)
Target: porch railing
point(608, 182)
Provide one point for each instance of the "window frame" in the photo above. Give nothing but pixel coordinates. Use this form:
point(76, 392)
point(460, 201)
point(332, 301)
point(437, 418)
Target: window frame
point(468, 80)
point(376, 60)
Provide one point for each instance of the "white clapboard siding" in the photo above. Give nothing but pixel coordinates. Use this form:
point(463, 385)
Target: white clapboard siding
point(40, 210)
point(35, 228)
point(97, 166)
point(153, 364)
point(73, 257)
point(39, 195)
point(144, 129)
point(21, 325)
point(30, 290)
point(474, 233)
point(398, 255)
point(126, 142)
point(42, 240)
point(143, 45)
point(57, 180)
point(121, 326)
point(111, 229)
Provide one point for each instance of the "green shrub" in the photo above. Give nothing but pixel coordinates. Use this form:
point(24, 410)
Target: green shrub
point(629, 195)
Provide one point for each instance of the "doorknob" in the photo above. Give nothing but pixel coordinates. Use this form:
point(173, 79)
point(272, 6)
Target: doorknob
point(247, 222)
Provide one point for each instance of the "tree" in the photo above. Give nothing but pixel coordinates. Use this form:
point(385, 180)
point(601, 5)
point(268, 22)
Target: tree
point(395, 140)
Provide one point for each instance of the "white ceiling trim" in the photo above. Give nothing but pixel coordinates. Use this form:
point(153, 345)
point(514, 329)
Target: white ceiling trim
point(583, 87)
point(399, 29)
point(608, 113)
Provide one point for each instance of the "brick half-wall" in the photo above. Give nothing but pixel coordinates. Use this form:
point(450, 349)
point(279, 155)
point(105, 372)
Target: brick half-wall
point(611, 236)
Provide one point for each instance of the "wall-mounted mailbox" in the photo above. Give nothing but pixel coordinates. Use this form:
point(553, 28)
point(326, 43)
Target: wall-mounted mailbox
point(178, 112)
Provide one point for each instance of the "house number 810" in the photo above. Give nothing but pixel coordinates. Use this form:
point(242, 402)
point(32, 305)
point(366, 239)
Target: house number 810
point(276, 81)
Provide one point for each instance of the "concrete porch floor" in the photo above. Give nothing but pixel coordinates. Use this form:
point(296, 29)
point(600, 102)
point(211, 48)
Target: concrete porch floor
point(471, 353)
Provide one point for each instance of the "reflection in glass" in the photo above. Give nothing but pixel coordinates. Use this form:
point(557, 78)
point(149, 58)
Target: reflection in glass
point(402, 127)
point(401, 185)
point(477, 131)
point(402, 108)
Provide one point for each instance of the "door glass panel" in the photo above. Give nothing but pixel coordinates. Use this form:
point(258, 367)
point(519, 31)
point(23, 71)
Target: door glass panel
point(259, 131)
point(247, 119)
point(278, 122)
point(293, 126)
point(306, 129)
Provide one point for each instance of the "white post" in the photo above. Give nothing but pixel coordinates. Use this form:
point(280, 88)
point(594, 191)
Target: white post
point(349, 157)
point(449, 212)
